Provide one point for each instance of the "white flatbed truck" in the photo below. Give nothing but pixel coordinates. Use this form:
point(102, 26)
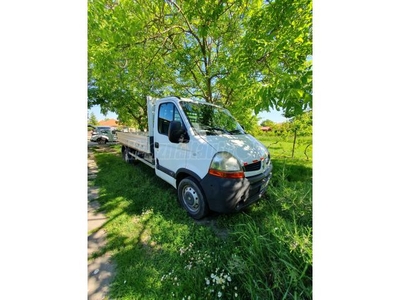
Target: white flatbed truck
point(203, 152)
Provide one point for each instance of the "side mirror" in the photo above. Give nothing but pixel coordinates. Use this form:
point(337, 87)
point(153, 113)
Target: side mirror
point(175, 131)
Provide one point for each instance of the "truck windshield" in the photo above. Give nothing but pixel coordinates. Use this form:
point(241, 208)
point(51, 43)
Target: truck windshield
point(209, 119)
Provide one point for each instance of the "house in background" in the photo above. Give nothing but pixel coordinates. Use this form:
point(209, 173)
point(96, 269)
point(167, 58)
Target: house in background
point(116, 125)
point(109, 122)
point(266, 128)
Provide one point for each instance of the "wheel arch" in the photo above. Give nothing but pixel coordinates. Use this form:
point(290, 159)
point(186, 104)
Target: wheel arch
point(183, 173)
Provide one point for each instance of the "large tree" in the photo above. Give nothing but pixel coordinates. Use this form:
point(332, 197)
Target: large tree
point(244, 55)
point(277, 54)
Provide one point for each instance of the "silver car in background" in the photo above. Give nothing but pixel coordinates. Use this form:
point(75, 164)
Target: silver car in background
point(103, 135)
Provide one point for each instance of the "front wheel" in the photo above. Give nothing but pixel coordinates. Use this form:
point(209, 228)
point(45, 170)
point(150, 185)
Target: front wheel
point(101, 141)
point(192, 199)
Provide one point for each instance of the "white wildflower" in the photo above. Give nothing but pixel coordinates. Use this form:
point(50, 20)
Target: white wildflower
point(219, 294)
point(220, 280)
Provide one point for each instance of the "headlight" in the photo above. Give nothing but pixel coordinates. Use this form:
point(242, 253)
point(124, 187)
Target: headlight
point(267, 157)
point(226, 165)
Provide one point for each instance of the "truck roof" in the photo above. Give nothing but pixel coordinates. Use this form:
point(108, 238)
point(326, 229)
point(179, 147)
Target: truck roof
point(189, 100)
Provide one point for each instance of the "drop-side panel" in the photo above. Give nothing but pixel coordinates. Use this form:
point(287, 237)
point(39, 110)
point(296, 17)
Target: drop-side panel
point(137, 140)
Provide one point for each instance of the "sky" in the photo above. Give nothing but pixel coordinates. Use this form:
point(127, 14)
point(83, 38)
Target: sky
point(99, 116)
point(273, 115)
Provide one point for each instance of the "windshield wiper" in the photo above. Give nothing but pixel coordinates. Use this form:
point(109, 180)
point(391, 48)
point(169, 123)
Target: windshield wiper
point(235, 131)
point(214, 128)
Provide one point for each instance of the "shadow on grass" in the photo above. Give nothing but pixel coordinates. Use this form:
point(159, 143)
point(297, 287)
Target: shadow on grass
point(291, 170)
point(146, 226)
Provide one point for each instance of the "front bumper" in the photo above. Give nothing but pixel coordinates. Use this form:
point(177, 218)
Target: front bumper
point(226, 195)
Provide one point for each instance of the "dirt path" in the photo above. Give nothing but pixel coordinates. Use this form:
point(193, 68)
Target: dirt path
point(101, 269)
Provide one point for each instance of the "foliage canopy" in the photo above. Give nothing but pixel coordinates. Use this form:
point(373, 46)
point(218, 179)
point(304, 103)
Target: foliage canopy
point(93, 120)
point(247, 56)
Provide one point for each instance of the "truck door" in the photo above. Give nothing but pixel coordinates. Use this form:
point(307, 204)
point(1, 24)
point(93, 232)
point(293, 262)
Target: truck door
point(169, 157)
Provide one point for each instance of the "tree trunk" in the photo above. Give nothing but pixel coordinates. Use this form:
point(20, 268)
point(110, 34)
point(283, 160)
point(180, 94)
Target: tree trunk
point(305, 150)
point(294, 142)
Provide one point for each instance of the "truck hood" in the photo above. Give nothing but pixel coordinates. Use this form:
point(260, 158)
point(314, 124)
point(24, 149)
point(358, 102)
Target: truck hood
point(243, 146)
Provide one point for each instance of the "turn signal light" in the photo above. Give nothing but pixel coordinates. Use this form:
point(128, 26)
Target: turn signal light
point(223, 174)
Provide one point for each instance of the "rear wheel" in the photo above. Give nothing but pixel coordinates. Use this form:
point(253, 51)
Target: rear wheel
point(125, 155)
point(192, 198)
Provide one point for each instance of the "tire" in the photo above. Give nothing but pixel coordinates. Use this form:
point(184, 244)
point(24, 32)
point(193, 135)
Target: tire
point(101, 141)
point(125, 155)
point(192, 199)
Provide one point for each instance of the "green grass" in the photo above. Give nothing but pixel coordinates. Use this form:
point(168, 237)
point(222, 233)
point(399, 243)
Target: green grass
point(161, 253)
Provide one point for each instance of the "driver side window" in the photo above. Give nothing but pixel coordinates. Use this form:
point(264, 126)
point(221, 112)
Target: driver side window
point(166, 114)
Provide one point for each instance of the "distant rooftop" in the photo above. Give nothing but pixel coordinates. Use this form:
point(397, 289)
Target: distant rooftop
point(109, 122)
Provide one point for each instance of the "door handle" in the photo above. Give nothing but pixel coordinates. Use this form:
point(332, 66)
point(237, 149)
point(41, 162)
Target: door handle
point(156, 145)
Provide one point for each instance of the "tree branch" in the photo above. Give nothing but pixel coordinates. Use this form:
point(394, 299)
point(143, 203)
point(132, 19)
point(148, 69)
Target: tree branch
point(191, 31)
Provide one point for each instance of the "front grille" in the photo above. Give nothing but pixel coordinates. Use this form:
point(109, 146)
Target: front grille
point(258, 185)
point(253, 167)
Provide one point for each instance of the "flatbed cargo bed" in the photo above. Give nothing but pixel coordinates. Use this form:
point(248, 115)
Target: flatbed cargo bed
point(136, 140)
